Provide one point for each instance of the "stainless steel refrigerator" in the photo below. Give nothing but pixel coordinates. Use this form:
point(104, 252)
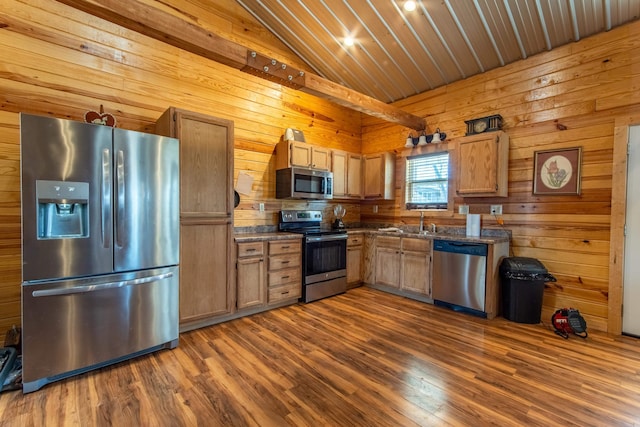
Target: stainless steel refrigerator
point(100, 246)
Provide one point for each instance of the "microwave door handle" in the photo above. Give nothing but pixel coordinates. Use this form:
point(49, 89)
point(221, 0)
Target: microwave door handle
point(106, 198)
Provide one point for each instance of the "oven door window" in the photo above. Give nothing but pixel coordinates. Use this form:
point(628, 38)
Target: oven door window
point(309, 184)
point(325, 256)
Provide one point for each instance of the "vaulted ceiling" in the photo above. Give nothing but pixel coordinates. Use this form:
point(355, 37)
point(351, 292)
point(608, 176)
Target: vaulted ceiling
point(398, 53)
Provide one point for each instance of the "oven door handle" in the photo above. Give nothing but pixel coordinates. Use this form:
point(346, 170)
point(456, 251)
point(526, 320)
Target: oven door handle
point(311, 239)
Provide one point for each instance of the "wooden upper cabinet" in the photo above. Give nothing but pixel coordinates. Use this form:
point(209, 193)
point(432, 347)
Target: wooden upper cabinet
point(354, 175)
point(483, 163)
point(301, 154)
point(347, 174)
point(206, 161)
point(379, 170)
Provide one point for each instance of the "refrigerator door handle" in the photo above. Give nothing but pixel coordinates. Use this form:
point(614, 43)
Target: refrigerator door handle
point(100, 287)
point(106, 197)
point(120, 205)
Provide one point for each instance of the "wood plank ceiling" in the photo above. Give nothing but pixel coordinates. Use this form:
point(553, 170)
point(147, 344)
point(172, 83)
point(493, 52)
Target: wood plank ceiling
point(399, 53)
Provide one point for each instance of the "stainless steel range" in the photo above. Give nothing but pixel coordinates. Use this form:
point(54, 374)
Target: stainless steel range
point(324, 254)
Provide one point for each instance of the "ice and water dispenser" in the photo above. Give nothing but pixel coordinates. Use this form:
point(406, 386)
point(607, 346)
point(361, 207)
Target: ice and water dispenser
point(63, 209)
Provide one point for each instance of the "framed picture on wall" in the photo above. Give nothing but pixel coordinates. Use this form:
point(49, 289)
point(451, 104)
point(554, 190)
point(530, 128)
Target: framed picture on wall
point(557, 171)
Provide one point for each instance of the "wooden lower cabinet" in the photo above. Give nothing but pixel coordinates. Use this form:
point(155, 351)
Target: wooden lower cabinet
point(269, 273)
point(415, 262)
point(206, 289)
point(284, 271)
point(403, 263)
point(354, 260)
point(251, 289)
point(388, 261)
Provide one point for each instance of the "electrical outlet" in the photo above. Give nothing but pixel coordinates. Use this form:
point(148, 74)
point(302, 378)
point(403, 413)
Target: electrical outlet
point(496, 209)
point(375, 208)
point(463, 209)
point(261, 207)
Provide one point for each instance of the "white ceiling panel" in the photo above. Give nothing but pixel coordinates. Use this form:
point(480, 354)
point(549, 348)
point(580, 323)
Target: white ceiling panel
point(398, 53)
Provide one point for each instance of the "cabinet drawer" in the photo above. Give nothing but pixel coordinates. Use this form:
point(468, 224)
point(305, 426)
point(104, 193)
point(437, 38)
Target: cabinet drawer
point(416, 245)
point(281, 277)
point(284, 261)
point(388, 242)
point(250, 249)
point(355, 240)
point(279, 293)
point(285, 247)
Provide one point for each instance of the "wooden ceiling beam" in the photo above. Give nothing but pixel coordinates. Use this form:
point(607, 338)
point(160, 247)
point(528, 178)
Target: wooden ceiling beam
point(350, 98)
point(182, 34)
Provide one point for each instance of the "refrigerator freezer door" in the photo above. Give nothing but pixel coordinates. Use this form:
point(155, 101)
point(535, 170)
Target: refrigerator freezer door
point(146, 201)
point(66, 198)
point(72, 326)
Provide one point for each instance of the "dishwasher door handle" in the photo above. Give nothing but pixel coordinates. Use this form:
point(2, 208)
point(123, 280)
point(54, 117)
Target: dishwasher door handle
point(458, 247)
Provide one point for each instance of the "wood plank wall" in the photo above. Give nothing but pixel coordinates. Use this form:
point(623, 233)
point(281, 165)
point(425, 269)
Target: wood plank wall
point(569, 97)
point(60, 62)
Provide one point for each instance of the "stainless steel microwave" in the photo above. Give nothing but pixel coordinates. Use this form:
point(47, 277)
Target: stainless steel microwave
point(301, 183)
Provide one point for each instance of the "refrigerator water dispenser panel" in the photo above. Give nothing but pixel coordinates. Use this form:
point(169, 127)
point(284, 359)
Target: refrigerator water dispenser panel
point(63, 209)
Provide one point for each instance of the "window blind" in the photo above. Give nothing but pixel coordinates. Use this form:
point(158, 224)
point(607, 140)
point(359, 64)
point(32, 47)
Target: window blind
point(427, 182)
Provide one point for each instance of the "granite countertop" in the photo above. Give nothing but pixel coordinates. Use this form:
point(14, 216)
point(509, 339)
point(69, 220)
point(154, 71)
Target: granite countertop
point(258, 236)
point(489, 236)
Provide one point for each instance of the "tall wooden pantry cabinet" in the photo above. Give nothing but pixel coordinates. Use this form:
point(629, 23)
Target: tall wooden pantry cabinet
point(207, 282)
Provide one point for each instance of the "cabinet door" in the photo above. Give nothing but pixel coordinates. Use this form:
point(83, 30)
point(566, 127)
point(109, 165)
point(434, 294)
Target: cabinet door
point(388, 267)
point(207, 252)
point(415, 272)
point(339, 169)
point(354, 264)
point(379, 177)
point(206, 164)
point(320, 158)
point(373, 176)
point(251, 282)
point(354, 175)
point(205, 274)
point(300, 154)
point(483, 165)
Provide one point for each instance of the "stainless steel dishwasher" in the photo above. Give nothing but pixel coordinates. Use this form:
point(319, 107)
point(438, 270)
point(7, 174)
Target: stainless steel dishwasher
point(459, 275)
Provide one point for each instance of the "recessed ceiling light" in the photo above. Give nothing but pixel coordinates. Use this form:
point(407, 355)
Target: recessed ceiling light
point(348, 41)
point(410, 6)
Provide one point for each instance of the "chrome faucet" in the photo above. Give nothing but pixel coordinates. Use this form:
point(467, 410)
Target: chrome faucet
point(432, 227)
point(421, 221)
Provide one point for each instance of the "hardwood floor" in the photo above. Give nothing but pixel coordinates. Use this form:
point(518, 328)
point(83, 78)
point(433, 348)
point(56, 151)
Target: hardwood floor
point(364, 358)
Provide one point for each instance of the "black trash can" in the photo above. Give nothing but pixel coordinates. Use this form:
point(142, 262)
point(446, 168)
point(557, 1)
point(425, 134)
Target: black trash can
point(523, 282)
